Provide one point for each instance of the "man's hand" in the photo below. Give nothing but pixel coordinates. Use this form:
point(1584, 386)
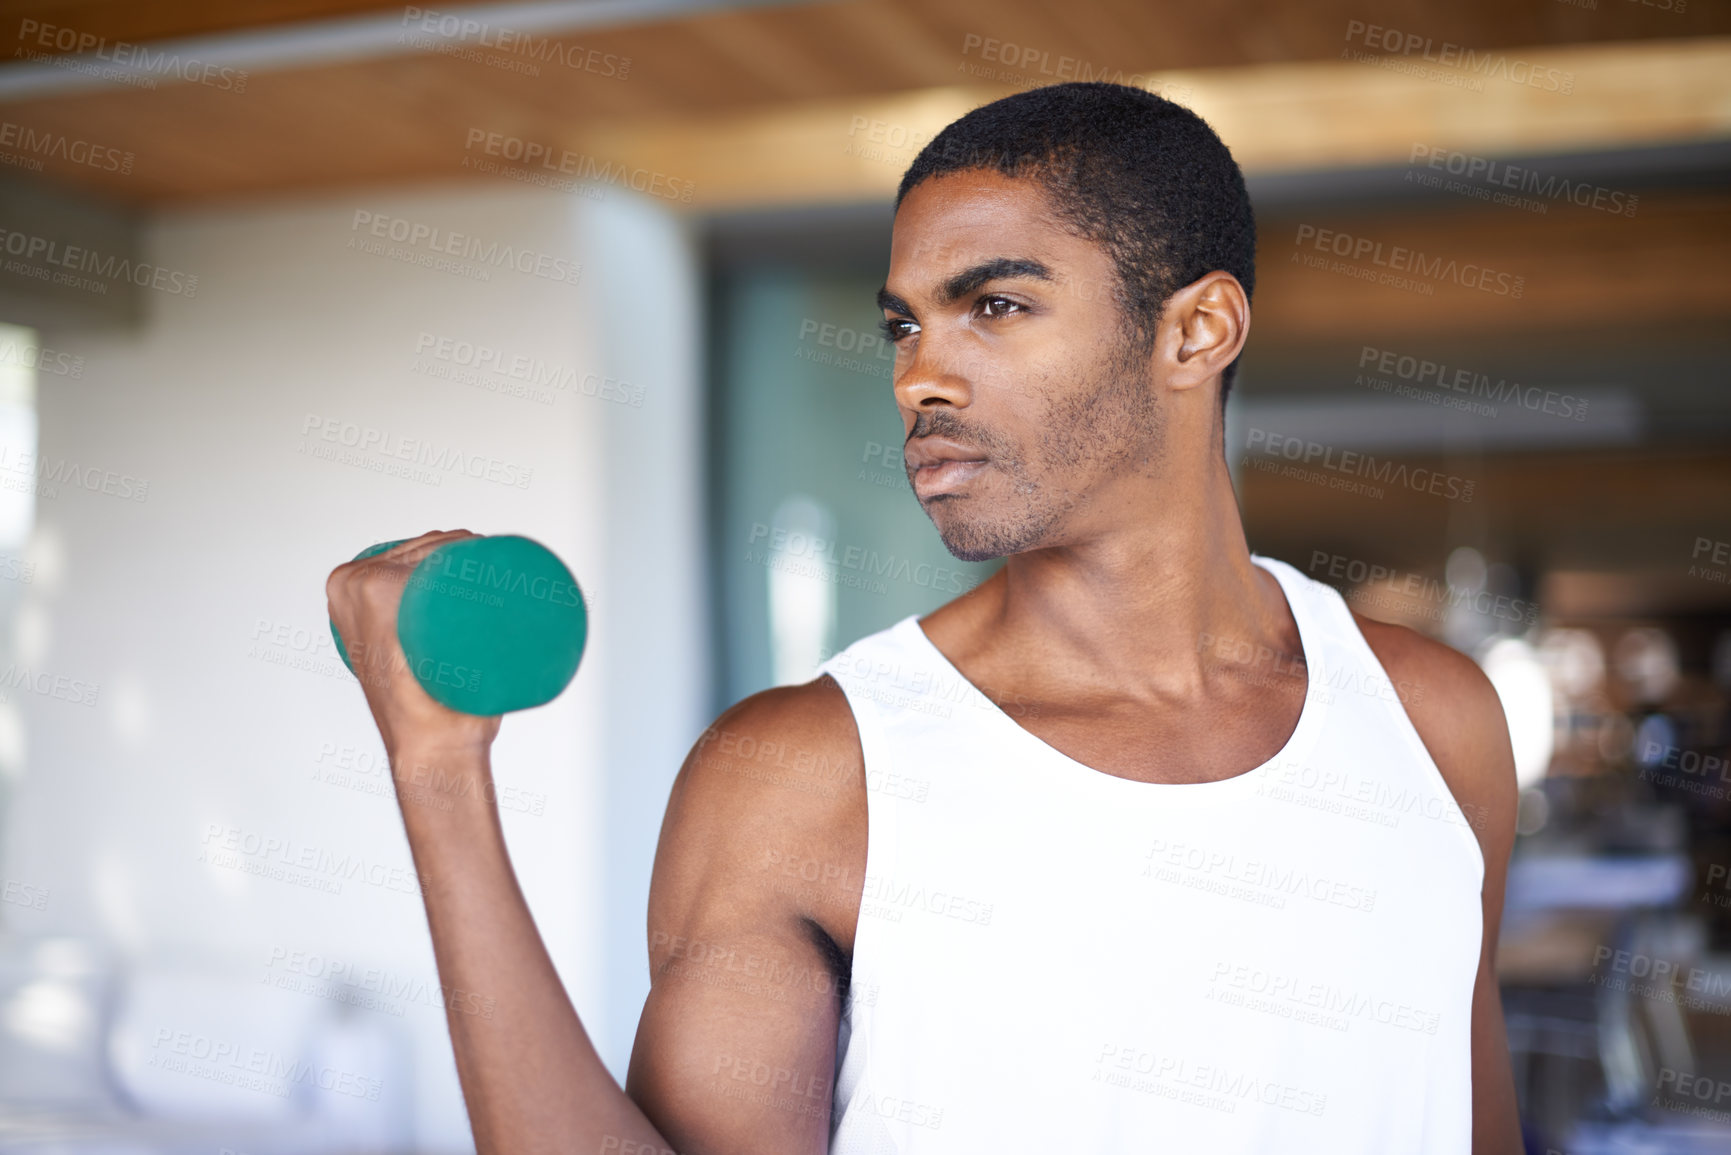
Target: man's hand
point(363, 597)
point(531, 1077)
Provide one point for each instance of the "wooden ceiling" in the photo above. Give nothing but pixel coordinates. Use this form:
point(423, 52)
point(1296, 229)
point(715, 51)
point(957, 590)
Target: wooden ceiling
point(1663, 272)
point(133, 21)
point(711, 96)
point(1640, 511)
point(801, 103)
point(808, 102)
point(778, 103)
point(916, 36)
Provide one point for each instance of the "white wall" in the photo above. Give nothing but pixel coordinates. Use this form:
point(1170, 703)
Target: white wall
point(171, 604)
point(658, 695)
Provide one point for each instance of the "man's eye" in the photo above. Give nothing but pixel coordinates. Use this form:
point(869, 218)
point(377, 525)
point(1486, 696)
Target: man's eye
point(998, 306)
point(895, 328)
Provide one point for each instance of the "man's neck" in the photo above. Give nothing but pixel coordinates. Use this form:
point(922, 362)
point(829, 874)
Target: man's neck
point(1134, 610)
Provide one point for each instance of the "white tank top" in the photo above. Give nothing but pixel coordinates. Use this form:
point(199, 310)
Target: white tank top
point(1053, 959)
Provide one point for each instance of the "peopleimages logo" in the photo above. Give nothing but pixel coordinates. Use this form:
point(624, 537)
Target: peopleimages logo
point(532, 371)
point(48, 143)
point(433, 240)
point(304, 865)
point(864, 132)
point(253, 1068)
point(1032, 62)
point(856, 565)
point(1352, 463)
point(49, 476)
point(1483, 65)
point(531, 154)
point(63, 263)
point(1502, 175)
point(1453, 378)
point(458, 30)
point(364, 439)
point(1368, 579)
point(1400, 259)
point(41, 358)
point(70, 48)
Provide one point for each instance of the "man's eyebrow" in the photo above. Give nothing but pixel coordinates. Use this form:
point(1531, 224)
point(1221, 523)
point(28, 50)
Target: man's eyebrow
point(969, 279)
point(891, 303)
point(996, 269)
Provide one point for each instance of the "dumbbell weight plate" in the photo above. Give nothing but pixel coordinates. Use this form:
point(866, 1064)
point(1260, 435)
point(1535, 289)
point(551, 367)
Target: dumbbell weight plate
point(492, 624)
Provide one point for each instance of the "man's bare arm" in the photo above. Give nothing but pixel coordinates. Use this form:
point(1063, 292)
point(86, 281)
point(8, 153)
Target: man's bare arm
point(752, 912)
point(532, 1080)
point(1460, 719)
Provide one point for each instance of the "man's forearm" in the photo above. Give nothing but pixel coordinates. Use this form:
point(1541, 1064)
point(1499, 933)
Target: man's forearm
point(531, 1077)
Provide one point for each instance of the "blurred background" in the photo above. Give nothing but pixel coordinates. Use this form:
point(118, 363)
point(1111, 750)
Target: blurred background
point(285, 278)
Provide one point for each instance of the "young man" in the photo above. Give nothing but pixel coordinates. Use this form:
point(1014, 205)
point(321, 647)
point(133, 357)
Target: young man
point(1222, 874)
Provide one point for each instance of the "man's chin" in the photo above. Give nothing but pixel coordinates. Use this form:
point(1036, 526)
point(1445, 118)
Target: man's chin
point(969, 547)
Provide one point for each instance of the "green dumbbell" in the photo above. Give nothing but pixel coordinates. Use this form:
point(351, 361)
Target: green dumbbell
point(488, 624)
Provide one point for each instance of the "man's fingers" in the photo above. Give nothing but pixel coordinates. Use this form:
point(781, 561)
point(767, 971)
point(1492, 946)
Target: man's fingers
point(431, 535)
point(408, 552)
point(412, 551)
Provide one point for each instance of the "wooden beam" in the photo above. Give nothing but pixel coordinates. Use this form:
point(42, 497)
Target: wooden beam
point(1593, 511)
point(1277, 117)
point(1490, 271)
point(817, 103)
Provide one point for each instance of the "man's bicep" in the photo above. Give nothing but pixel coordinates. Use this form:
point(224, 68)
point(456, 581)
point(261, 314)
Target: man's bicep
point(1460, 720)
point(1484, 774)
point(736, 1049)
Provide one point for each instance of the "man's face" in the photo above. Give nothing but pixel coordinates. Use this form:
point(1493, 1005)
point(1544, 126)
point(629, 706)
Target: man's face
point(1011, 344)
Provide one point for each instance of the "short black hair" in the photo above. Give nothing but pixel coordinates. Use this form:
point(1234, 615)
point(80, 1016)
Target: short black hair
point(1144, 178)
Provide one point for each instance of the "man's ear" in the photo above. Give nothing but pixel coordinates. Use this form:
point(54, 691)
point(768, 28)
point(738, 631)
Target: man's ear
point(1205, 327)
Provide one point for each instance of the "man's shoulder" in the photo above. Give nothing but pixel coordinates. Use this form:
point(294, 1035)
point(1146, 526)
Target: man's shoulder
point(773, 789)
point(782, 726)
point(1448, 681)
point(790, 752)
point(1459, 718)
point(785, 759)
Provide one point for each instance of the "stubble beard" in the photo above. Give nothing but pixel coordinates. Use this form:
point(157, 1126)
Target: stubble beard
point(1087, 437)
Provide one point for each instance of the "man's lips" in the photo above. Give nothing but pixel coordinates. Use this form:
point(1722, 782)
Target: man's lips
point(930, 450)
point(939, 465)
point(946, 475)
